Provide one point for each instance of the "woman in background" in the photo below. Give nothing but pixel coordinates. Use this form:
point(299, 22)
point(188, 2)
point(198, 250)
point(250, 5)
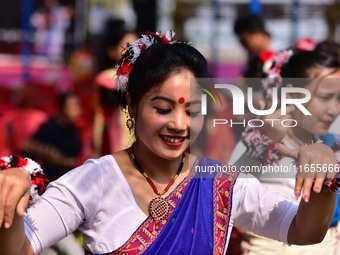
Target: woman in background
point(320, 68)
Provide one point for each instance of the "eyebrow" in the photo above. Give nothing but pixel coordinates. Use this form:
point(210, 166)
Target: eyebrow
point(173, 102)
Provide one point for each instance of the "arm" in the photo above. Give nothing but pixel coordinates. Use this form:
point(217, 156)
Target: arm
point(316, 208)
point(312, 219)
point(265, 212)
point(13, 241)
point(14, 191)
point(48, 153)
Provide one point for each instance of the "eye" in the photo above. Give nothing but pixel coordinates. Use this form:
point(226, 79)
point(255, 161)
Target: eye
point(162, 110)
point(325, 97)
point(193, 114)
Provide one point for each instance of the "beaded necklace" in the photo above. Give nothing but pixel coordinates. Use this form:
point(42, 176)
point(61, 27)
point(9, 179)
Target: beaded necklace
point(158, 207)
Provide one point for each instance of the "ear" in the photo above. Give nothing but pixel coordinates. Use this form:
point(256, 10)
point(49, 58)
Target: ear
point(131, 107)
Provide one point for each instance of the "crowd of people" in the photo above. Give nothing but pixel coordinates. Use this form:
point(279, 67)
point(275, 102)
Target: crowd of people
point(141, 190)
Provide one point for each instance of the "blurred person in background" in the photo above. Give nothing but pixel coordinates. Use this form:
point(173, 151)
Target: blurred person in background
point(57, 143)
point(254, 37)
point(50, 23)
point(114, 202)
point(320, 66)
point(109, 132)
point(57, 147)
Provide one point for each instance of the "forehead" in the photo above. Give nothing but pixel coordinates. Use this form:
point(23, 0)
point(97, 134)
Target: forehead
point(328, 84)
point(176, 86)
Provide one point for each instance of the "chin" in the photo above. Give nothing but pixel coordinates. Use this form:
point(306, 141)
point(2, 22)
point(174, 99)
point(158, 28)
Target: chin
point(320, 131)
point(172, 154)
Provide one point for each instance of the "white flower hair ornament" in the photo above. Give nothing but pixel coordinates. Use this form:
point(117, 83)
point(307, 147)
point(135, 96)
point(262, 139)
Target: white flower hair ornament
point(273, 62)
point(133, 51)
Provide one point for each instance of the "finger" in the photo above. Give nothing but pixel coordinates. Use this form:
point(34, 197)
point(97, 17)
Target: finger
point(10, 205)
point(285, 117)
point(277, 114)
point(269, 101)
point(22, 205)
point(287, 121)
point(318, 185)
point(5, 190)
point(298, 187)
point(290, 109)
point(307, 186)
point(285, 151)
point(261, 104)
point(305, 163)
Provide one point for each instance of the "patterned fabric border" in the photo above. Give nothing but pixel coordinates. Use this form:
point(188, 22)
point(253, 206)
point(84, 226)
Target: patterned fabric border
point(149, 231)
point(223, 189)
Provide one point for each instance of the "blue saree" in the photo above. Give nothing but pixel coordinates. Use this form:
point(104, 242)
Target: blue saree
point(200, 209)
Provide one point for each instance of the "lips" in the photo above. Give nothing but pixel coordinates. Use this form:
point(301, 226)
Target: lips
point(327, 123)
point(173, 141)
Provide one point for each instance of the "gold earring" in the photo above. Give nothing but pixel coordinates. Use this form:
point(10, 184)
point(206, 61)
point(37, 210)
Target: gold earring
point(130, 123)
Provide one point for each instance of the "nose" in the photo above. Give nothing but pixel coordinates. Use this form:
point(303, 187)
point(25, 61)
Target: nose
point(180, 121)
point(334, 107)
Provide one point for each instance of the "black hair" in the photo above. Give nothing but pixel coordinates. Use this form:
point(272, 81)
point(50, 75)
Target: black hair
point(325, 54)
point(115, 31)
point(113, 34)
point(156, 64)
point(249, 24)
point(63, 97)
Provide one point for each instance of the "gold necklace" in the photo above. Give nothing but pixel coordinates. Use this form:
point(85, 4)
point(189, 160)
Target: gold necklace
point(158, 207)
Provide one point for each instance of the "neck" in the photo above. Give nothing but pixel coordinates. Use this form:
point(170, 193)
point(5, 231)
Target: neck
point(157, 168)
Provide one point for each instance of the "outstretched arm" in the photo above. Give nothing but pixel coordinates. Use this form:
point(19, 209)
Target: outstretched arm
point(312, 219)
point(316, 209)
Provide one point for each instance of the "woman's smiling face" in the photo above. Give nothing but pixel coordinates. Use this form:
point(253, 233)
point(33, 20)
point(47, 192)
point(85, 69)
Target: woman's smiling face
point(324, 104)
point(167, 117)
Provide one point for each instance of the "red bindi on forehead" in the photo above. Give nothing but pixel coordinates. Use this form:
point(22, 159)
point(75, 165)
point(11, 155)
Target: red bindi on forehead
point(181, 100)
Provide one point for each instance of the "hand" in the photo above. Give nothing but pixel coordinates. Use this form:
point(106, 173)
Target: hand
point(272, 123)
point(316, 162)
point(14, 194)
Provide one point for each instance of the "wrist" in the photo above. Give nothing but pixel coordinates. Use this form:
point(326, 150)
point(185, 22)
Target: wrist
point(333, 184)
point(260, 146)
point(32, 168)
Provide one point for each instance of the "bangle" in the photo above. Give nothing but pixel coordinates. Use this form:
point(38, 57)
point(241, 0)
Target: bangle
point(333, 184)
point(38, 179)
point(260, 147)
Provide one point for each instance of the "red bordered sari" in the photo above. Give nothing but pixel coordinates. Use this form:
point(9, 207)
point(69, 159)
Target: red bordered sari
point(200, 210)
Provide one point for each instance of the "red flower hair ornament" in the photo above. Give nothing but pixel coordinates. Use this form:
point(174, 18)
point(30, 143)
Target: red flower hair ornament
point(305, 44)
point(132, 52)
point(272, 64)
